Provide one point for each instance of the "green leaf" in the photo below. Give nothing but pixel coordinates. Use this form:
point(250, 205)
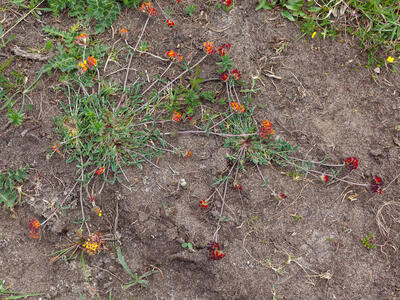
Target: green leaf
point(123, 263)
point(287, 15)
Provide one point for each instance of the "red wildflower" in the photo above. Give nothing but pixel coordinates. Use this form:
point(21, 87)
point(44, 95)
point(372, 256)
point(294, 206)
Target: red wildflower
point(235, 74)
point(237, 108)
point(376, 185)
point(217, 254)
point(203, 203)
point(238, 186)
point(223, 50)
point(34, 228)
point(176, 116)
point(265, 130)
point(82, 40)
point(224, 76)
point(178, 1)
point(100, 171)
point(227, 3)
point(351, 163)
point(324, 177)
point(280, 196)
point(170, 23)
point(124, 33)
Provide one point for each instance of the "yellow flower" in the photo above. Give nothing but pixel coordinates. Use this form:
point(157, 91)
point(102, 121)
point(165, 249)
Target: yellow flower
point(390, 59)
point(313, 35)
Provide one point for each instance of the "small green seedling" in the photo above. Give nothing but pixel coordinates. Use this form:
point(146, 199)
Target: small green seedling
point(188, 245)
point(367, 241)
point(4, 291)
point(136, 279)
point(190, 10)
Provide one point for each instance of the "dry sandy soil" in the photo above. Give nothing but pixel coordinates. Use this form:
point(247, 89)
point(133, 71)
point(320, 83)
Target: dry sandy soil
point(307, 246)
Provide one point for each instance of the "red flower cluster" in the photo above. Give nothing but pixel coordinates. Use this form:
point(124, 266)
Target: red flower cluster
point(238, 186)
point(178, 1)
point(324, 177)
point(351, 163)
point(34, 228)
point(100, 170)
point(280, 196)
point(82, 40)
point(376, 185)
point(176, 116)
point(170, 23)
point(227, 3)
point(148, 9)
point(265, 130)
point(223, 50)
point(235, 74)
point(215, 253)
point(225, 76)
point(203, 203)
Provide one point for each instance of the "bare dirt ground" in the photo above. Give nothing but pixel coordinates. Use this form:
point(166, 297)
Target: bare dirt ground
point(307, 246)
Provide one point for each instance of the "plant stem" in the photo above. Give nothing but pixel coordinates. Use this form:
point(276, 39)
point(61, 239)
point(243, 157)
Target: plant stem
point(134, 50)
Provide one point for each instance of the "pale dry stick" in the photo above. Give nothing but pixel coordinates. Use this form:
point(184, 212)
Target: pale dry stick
point(263, 178)
point(155, 81)
point(81, 201)
point(99, 82)
point(213, 133)
point(243, 150)
point(215, 125)
point(145, 52)
point(61, 203)
point(122, 98)
point(236, 95)
point(380, 220)
point(116, 218)
point(119, 70)
point(183, 73)
point(134, 50)
point(391, 182)
point(321, 173)
point(20, 19)
point(320, 163)
point(268, 265)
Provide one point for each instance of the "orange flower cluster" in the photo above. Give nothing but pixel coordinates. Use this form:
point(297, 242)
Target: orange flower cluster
point(176, 116)
point(237, 108)
point(148, 9)
point(82, 40)
point(34, 228)
point(188, 154)
point(265, 130)
point(209, 47)
point(124, 33)
point(93, 244)
point(56, 147)
point(175, 57)
point(87, 64)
